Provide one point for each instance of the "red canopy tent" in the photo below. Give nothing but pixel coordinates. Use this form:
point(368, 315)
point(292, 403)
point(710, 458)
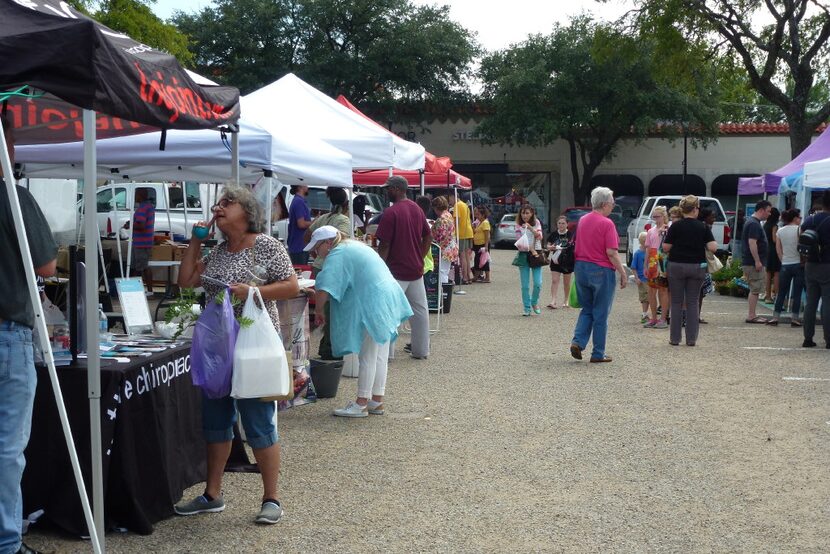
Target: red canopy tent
point(437, 170)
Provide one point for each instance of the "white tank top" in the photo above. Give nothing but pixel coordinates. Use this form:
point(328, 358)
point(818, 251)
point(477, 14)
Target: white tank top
point(789, 244)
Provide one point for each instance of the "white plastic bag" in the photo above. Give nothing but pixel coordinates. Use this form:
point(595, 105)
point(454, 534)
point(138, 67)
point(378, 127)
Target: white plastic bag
point(523, 245)
point(260, 365)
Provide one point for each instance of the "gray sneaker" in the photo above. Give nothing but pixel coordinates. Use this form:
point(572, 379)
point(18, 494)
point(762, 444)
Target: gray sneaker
point(199, 505)
point(662, 324)
point(270, 513)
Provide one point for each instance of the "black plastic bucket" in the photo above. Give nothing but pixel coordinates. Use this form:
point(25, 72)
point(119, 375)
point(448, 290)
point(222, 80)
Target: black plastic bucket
point(326, 377)
point(447, 292)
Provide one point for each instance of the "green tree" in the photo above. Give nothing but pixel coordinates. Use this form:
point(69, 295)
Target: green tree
point(592, 86)
point(377, 51)
point(136, 19)
point(780, 45)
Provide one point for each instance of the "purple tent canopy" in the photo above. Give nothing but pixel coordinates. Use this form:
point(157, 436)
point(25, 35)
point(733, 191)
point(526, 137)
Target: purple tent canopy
point(768, 182)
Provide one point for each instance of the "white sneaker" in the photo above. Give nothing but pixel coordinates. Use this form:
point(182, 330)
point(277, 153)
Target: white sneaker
point(352, 409)
point(375, 408)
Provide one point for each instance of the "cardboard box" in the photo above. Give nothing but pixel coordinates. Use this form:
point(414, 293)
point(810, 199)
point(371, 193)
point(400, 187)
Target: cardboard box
point(178, 252)
point(162, 252)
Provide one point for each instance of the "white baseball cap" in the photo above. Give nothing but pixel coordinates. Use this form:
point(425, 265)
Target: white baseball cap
point(325, 232)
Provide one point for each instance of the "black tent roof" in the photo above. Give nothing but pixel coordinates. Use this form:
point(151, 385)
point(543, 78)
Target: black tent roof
point(72, 62)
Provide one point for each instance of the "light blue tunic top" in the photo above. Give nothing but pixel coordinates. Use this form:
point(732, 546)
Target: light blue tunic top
point(364, 297)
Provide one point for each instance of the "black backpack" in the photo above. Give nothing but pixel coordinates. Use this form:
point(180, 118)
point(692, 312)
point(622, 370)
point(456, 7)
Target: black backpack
point(809, 242)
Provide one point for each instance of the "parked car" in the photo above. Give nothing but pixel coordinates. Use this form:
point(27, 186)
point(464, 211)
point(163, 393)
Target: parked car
point(115, 203)
point(643, 221)
point(573, 214)
point(503, 235)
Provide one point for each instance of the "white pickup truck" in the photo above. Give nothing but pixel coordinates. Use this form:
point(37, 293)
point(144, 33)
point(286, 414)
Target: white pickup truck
point(643, 222)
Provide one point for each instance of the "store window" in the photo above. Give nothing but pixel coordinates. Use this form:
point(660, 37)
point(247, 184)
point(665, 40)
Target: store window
point(506, 192)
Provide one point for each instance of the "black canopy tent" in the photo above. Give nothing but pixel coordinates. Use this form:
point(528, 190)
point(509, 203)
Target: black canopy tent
point(59, 68)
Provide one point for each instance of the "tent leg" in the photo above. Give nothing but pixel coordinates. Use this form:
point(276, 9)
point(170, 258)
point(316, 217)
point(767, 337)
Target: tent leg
point(235, 158)
point(93, 355)
point(101, 256)
point(351, 213)
point(270, 204)
point(45, 345)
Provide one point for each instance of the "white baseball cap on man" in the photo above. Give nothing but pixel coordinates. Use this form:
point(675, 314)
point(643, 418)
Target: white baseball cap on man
point(325, 232)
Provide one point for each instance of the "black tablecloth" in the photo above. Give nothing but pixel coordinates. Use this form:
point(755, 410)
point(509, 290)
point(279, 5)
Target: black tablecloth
point(151, 436)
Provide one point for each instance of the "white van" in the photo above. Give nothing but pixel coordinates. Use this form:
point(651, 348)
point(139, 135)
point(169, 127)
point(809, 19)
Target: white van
point(115, 203)
point(643, 221)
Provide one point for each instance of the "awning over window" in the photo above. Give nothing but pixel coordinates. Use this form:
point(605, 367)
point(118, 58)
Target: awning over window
point(622, 185)
point(672, 184)
point(727, 184)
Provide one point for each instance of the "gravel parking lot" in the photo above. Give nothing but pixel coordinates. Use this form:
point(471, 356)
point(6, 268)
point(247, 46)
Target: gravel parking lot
point(500, 441)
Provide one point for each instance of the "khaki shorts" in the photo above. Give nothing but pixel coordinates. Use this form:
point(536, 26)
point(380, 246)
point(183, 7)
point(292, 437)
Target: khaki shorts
point(754, 278)
point(642, 291)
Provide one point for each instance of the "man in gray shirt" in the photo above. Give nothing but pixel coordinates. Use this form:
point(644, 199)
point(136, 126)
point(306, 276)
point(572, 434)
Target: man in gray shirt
point(17, 370)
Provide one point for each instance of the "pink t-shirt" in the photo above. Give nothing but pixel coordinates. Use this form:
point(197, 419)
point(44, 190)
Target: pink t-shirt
point(653, 238)
point(595, 234)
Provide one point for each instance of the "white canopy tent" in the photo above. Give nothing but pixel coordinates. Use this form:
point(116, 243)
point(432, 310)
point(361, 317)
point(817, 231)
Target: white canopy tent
point(292, 107)
point(816, 178)
point(197, 156)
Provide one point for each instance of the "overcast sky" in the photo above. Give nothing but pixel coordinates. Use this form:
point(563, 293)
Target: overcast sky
point(497, 24)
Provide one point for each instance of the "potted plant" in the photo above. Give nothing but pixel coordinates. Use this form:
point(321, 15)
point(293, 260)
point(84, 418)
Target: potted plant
point(181, 316)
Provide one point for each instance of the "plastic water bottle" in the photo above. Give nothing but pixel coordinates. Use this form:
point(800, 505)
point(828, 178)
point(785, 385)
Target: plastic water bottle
point(103, 324)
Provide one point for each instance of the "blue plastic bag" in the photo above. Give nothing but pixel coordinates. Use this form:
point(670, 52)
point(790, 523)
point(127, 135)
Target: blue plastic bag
point(214, 341)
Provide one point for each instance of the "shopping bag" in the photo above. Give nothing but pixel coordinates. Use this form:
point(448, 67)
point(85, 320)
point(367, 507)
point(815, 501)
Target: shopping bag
point(260, 366)
point(522, 245)
point(211, 354)
point(713, 263)
point(573, 297)
point(484, 257)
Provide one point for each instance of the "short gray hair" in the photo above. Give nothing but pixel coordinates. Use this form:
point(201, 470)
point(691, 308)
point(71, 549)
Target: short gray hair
point(245, 198)
point(397, 182)
point(600, 196)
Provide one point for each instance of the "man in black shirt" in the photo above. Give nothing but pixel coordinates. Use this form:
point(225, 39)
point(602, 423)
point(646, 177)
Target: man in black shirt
point(817, 275)
point(754, 248)
point(17, 370)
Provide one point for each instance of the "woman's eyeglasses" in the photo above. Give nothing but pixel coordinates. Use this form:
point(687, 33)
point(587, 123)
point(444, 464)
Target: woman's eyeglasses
point(224, 203)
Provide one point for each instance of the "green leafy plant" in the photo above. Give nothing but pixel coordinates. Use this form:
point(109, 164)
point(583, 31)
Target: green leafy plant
point(181, 312)
point(728, 272)
point(244, 322)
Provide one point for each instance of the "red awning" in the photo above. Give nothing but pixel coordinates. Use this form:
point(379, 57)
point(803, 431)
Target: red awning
point(437, 172)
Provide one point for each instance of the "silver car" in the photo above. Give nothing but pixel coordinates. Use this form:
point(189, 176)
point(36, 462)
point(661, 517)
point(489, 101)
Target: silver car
point(504, 234)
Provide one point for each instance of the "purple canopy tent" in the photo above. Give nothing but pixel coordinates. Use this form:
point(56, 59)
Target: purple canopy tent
point(768, 182)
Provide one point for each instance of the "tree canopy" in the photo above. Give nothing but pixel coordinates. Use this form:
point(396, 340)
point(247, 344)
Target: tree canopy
point(379, 51)
point(136, 18)
point(780, 45)
point(591, 85)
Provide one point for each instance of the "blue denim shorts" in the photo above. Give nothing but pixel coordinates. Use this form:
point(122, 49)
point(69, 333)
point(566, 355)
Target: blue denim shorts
point(219, 415)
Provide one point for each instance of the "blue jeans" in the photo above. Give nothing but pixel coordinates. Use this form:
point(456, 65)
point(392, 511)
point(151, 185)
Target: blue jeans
point(219, 415)
point(790, 273)
point(530, 298)
point(17, 395)
point(595, 291)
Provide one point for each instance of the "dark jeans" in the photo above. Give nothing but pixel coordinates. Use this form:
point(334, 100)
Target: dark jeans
point(817, 278)
point(685, 281)
point(298, 258)
point(790, 274)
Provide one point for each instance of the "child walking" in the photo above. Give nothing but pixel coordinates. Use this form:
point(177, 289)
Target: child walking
point(638, 266)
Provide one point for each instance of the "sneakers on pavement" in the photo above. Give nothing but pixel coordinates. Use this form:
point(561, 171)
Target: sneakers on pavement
point(270, 513)
point(199, 505)
point(644, 319)
point(408, 348)
point(662, 324)
point(352, 409)
point(375, 408)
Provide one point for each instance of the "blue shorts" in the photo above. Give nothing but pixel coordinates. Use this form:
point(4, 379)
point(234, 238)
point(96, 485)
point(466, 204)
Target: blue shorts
point(219, 415)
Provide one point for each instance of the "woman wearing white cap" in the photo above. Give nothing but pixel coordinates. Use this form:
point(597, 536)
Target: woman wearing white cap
point(366, 305)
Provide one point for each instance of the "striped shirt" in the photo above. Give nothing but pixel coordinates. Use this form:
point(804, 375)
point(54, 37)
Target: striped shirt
point(145, 216)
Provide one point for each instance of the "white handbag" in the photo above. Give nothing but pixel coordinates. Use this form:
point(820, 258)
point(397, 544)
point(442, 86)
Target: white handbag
point(260, 365)
point(713, 263)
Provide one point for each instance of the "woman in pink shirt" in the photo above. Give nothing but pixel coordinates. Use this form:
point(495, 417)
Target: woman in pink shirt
point(597, 260)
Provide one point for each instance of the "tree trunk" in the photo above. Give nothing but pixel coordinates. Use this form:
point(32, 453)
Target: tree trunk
point(801, 134)
point(585, 187)
point(578, 196)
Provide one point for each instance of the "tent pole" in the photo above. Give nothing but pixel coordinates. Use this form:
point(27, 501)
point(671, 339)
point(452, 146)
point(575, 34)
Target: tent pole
point(235, 158)
point(42, 333)
point(93, 355)
point(118, 243)
point(166, 189)
point(351, 213)
point(184, 201)
point(130, 240)
point(101, 255)
point(270, 203)
point(422, 181)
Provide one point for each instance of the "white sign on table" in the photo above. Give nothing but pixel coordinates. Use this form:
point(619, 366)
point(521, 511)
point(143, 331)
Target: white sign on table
point(134, 305)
